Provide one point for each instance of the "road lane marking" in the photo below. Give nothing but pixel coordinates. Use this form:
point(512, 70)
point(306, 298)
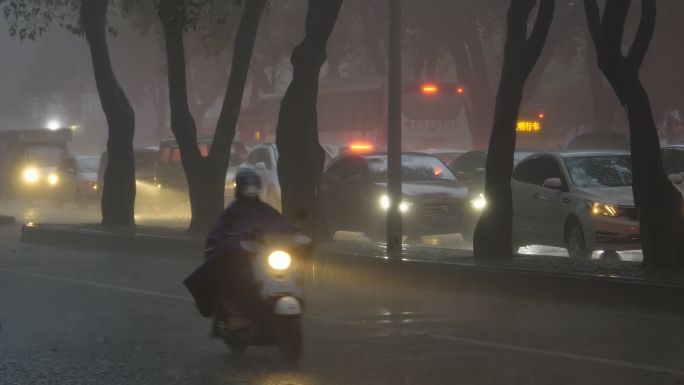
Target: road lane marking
point(421, 333)
point(103, 285)
point(502, 346)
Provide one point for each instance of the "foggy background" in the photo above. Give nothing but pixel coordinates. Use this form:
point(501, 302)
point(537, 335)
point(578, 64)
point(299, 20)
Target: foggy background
point(51, 79)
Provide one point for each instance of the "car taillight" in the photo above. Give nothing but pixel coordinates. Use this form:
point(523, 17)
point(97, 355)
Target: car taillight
point(361, 147)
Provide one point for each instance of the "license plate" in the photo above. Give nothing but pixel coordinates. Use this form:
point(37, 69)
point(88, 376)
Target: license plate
point(445, 218)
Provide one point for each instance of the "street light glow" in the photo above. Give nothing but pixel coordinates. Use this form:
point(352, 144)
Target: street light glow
point(53, 125)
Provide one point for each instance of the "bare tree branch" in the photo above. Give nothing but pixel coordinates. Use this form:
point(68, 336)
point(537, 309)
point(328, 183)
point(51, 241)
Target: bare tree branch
point(644, 34)
point(535, 43)
point(517, 17)
point(613, 26)
point(594, 22)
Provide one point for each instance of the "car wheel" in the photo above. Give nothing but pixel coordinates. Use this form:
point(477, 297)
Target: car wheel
point(575, 241)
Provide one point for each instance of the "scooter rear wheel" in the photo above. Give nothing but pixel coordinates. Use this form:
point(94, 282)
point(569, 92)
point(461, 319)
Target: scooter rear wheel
point(289, 338)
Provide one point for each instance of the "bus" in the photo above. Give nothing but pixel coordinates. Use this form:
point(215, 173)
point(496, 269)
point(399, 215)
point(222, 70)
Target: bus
point(351, 110)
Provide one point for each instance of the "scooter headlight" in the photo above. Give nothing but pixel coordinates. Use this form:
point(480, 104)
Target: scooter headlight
point(279, 260)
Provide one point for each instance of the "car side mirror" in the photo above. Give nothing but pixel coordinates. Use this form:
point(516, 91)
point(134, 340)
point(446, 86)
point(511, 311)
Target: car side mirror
point(675, 178)
point(480, 172)
point(261, 166)
point(553, 183)
point(71, 171)
point(355, 179)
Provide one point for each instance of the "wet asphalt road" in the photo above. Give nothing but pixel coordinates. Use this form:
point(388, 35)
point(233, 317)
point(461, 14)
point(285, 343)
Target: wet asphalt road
point(72, 317)
point(42, 212)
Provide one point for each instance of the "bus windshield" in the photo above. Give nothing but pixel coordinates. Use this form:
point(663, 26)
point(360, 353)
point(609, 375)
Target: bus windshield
point(45, 156)
point(442, 107)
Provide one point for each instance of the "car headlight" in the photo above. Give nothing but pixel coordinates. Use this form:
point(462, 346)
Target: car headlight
point(479, 203)
point(53, 179)
point(385, 203)
point(604, 209)
point(30, 175)
point(279, 260)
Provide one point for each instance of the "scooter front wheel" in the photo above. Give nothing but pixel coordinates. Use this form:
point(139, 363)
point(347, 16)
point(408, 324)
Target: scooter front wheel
point(289, 337)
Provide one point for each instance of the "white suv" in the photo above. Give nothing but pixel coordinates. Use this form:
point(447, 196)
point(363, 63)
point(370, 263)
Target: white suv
point(263, 158)
point(578, 200)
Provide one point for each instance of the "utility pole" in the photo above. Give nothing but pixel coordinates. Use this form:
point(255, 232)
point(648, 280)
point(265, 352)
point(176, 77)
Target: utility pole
point(394, 228)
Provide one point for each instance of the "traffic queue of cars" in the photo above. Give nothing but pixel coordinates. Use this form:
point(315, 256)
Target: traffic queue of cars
point(578, 199)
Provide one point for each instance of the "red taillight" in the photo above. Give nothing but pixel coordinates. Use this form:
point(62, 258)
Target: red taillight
point(429, 89)
point(361, 147)
point(459, 90)
point(541, 116)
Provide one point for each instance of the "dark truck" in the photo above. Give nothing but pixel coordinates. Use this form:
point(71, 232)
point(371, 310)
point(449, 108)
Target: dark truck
point(28, 159)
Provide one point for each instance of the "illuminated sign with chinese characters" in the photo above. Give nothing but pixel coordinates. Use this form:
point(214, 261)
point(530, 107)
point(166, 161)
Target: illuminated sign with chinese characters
point(528, 127)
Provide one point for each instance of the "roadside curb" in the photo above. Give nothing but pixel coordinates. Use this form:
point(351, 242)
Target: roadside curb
point(90, 240)
point(616, 293)
point(7, 220)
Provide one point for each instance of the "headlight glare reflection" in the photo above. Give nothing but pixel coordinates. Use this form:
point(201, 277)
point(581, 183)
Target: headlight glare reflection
point(52, 179)
point(479, 203)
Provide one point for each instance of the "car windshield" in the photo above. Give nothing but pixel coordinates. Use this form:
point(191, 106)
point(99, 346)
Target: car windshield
point(413, 169)
point(145, 162)
point(45, 156)
point(600, 171)
point(88, 165)
point(518, 156)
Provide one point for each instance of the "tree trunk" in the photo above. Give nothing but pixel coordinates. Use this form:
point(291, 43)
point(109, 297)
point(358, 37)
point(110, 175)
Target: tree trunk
point(301, 157)
point(206, 175)
point(118, 195)
point(660, 204)
point(492, 237)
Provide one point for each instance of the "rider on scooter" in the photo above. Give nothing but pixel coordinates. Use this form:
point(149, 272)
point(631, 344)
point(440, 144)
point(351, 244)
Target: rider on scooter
point(224, 283)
